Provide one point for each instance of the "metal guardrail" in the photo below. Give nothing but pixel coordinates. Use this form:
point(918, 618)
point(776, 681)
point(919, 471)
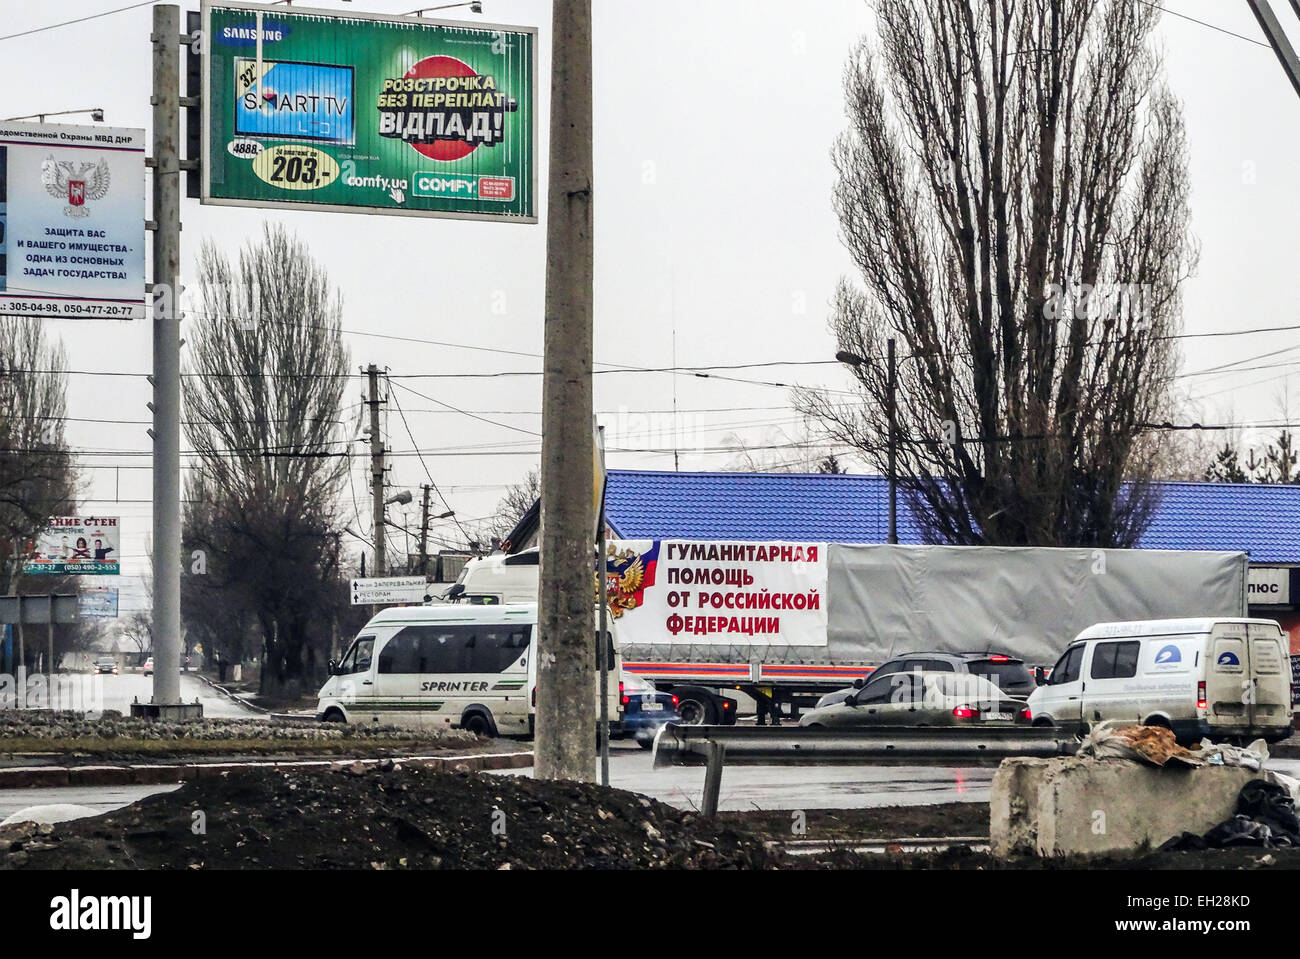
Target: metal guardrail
point(716, 746)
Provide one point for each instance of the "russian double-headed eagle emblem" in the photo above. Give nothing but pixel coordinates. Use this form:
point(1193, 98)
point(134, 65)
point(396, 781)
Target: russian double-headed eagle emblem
point(86, 182)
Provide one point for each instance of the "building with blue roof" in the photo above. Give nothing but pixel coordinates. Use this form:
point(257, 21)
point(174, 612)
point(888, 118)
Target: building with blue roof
point(1261, 520)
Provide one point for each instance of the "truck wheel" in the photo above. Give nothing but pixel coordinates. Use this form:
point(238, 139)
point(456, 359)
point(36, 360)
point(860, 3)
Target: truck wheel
point(696, 707)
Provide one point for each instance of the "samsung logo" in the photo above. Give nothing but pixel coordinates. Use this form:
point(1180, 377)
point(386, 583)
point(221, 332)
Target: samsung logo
point(246, 35)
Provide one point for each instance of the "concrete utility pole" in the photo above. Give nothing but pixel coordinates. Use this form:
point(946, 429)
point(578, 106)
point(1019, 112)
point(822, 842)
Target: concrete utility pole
point(566, 682)
point(166, 430)
point(1277, 38)
point(424, 531)
point(377, 472)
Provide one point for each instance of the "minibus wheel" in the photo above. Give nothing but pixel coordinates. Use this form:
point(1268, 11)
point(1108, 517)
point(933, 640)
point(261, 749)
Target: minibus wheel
point(479, 725)
point(335, 716)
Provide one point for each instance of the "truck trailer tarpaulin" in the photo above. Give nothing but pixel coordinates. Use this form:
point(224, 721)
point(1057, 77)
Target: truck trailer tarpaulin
point(1031, 601)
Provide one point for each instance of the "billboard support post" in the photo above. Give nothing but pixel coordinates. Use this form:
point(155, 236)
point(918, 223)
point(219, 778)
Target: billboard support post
point(166, 362)
point(22, 664)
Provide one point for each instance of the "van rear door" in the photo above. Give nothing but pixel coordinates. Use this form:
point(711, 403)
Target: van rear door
point(1228, 678)
point(1270, 673)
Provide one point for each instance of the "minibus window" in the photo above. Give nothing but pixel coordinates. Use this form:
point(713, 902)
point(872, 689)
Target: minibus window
point(358, 660)
point(1066, 669)
point(453, 649)
point(1115, 660)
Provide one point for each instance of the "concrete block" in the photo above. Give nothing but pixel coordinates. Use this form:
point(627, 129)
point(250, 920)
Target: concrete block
point(1078, 806)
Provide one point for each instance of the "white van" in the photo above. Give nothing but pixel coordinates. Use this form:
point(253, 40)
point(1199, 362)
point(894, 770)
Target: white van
point(470, 667)
point(1216, 678)
point(498, 579)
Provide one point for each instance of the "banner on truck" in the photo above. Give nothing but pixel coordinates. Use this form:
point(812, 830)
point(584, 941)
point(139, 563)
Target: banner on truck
point(71, 221)
point(674, 592)
point(365, 113)
point(74, 545)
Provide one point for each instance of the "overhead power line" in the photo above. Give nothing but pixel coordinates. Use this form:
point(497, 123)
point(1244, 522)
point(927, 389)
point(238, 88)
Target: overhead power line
point(68, 23)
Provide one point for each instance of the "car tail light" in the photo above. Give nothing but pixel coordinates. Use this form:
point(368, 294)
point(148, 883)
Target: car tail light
point(622, 695)
point(534, 696)
point(1201, 702)
point(675, 700)
point(726, 704)
point(965, 712)
point(999, 659)
point(1026, 714)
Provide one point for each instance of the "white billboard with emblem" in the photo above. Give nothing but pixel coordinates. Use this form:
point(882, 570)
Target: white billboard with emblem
point(71, 221)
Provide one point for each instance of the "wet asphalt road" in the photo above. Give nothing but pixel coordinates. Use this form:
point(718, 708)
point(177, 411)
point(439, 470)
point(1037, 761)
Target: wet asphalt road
point(797, 787)
point(97, 692)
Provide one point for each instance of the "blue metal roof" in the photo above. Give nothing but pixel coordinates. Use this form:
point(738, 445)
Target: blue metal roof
point(1261, 520)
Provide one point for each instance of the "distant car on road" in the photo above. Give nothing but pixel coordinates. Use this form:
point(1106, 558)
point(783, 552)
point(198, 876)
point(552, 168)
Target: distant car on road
point(1008, 673)
point(148, 666)
point(645, 709)
point(923, 699)
point(105, 664)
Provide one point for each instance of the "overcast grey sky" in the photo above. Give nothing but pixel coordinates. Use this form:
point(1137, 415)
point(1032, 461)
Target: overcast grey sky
point(714, 122)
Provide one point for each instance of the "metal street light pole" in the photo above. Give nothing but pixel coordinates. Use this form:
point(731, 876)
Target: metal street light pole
point(891, 410)
point(893, 444)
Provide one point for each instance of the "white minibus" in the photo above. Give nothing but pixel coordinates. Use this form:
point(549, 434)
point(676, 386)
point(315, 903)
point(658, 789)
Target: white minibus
point(469, 667)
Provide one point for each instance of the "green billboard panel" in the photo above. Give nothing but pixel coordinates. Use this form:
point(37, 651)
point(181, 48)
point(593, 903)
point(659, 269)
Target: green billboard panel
point(322, 110)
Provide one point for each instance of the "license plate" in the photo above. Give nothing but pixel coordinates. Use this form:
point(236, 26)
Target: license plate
point(996, 716)
point(652, 707)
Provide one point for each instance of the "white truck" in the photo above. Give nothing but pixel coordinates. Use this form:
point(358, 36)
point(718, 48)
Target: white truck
point(785, 623)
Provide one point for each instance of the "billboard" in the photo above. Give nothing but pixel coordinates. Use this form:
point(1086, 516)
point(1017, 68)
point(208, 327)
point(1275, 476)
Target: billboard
point(717, 593)
point(73, 545)
point(71, 221)
point(97, 602)
point(322, 110)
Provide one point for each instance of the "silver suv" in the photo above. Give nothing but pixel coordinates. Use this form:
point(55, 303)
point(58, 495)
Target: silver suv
point(1008, 673)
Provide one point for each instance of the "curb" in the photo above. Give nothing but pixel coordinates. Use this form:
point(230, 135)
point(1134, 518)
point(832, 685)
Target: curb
point(19, 777)
point(229, 695)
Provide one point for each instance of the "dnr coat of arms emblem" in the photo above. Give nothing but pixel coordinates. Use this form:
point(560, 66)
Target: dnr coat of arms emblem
point(78, 185)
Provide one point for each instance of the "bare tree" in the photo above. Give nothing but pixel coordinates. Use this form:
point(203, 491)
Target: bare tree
point(518, 500)
point(264, 402)
point(37, 478)
point(1013, 189)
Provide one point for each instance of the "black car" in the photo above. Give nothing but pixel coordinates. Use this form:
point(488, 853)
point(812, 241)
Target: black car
point(1008, 673)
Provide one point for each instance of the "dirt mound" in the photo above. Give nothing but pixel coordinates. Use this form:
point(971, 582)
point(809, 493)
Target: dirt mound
point(387, 818)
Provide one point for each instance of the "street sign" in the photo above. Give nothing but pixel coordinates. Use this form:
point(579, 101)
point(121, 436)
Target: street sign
point(364, 113)
point(73, 545)
point(390, 591)
point(71, 221)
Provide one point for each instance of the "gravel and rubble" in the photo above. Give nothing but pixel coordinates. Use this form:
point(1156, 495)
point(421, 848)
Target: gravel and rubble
point(387, 817)
point(69, 735)
point(43, 724)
